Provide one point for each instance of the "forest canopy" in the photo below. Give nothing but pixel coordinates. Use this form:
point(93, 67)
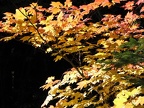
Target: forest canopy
point(102, 40)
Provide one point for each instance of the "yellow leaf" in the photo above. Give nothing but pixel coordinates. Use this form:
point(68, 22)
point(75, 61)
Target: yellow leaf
point(8, 38)
point(121, 98)
point(82, 84)
point(48, 50)
point(119, 42)
point(129, 105)
point(58, 58)
point(50, 29)
point(60, 17)
point(68, 3)
point(102, 55)
point(70, 39)
point(20, 14)
point(55, 10)
point(136, 91)
point(50, 79)
point(25, 38)
point(70, 19)
point(56, 4)
point(139, 101)
point(51, 106)
point(49, 83)
point(119, 103)
point(113, 35)
point(47, 100)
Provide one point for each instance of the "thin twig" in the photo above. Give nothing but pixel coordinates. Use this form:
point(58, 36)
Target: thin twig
point(64, 57)
point(79, 71)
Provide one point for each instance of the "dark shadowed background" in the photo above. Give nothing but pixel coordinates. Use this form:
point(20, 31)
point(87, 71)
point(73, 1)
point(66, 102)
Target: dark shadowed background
point(23, 69)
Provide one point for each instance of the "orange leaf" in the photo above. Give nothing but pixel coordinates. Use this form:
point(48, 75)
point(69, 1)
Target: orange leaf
point(68, 3)
point(56, 4)
point(116, 1)
point(129, 5)
point(142, 9)
point(106, 3)
point(55, 10)
point(113, 35)
point(139, 2)
point(25, 38)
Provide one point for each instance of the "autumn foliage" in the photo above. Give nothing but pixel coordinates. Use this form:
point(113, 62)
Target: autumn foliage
point(106, 55)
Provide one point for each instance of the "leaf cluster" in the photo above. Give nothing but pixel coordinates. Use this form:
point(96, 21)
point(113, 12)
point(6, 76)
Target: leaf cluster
point(102, 89)
point(109, 53)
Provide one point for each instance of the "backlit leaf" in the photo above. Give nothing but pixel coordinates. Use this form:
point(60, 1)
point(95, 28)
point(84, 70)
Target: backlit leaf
point(20, 14)
point(68, 3)
point(25, 38)
point(139, 2)
point(56, 4)
point(58, 58)
point(83, 84)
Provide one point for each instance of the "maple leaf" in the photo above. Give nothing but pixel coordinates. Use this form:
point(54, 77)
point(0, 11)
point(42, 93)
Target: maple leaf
point(139, 2)
point(20, 14)
point(131, 17)
point(8, 15)
point(116, 1)
point(58, 58)
point(56, 7)
point(50, 82)
point(101, 55)
point(140, 101)
point(55, 10)
point(56, 4)
point(121, 98)
point(82, 84)
point(105, 3)
point(48, 50)
point(113, 35)
point(50, 79)
point(47, 100)
point(50, 29)
point(129, 5)
point(142, 9)
point(25, 38)
point(68, 3)
point(129, 105)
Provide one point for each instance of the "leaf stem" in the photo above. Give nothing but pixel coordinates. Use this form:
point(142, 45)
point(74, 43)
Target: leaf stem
point(73, 65)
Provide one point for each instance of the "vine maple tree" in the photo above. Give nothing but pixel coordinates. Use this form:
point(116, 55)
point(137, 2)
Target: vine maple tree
point(109, 53)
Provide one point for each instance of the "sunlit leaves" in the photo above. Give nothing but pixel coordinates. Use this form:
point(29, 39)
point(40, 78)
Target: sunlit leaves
point(140, 2)
point(56, 4)
point(83, 84)
point(56, 7)
point(129, 5)
point(123, 97)
point(108, 53)
point(58, 57)
point(26, 38)
point(98, 89)
point(50, 82)
point(116, 1)
point(139, 101)
point(48, 50)
point(20, 15)
point(68, 3)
